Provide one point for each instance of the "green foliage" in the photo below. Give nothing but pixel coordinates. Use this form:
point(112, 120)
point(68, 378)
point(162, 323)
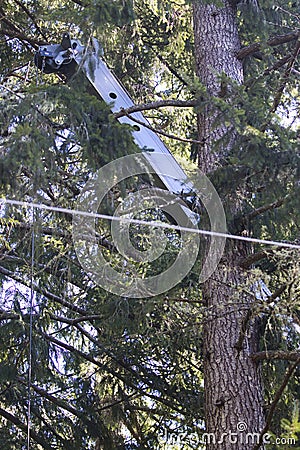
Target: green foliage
point(290, 434)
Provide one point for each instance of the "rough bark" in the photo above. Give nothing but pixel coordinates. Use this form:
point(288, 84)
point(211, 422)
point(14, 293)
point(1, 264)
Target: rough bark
point(233, 387)
point(216, 45)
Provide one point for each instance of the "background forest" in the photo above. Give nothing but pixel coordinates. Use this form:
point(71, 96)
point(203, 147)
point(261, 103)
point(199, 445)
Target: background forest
point(101, 371)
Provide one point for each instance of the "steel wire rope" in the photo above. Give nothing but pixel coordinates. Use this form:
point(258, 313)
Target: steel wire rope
point(31, 307)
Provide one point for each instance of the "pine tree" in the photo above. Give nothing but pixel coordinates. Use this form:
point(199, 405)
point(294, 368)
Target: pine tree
point(233, 382)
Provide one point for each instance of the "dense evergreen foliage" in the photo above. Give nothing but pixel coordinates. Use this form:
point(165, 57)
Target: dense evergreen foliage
point(112, 372)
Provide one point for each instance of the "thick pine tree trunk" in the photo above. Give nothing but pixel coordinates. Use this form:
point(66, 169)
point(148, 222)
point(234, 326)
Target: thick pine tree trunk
point(233, 387)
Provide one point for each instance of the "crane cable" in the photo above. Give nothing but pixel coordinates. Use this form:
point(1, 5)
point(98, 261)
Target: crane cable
point(31, 307)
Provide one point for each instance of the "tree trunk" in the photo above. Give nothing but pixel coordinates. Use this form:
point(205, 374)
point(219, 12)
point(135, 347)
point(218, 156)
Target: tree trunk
point(216, 44)
point(233, 386)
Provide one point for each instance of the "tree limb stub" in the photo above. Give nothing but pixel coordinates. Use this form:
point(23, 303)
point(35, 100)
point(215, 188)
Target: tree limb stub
point(272, 42)
point(253, 258)
point(276, 354)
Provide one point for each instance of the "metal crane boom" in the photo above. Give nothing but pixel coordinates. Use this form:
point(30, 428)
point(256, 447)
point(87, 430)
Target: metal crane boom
point(70, 55)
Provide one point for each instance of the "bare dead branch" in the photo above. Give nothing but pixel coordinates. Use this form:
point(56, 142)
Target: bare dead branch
point(163, 133)
point(285, 77)
point(155, 105)
point(278, 64)
point(271, 355)
point(252, 259)
point(272, 42)
point(265, 208)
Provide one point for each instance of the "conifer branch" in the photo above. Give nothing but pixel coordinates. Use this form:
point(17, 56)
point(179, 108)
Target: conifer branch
point(5, 315)
point(286, 76)
point(80, 3)
point(16, 34)
point(251, 313)
point(119, 376)
point(44, 292)
point(51, 231)
point(12, 31)
point(277, 397)
point(278, 64)
point(31, 16)
point(275, 296)
point(255, 257)
point(170, 68)
point(23, 427)
point(77, 320)
point(61, 404)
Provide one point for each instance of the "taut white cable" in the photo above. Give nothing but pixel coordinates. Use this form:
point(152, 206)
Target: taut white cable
point(30, 329)
point(150, 223)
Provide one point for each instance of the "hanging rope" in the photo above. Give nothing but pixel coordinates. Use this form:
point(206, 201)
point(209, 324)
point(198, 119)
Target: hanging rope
point(31, 306)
